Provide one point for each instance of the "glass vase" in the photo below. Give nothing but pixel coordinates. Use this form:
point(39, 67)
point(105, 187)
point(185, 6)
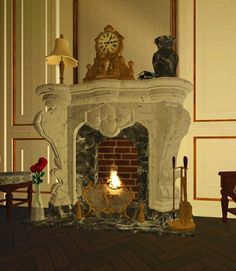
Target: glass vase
point(37, 210)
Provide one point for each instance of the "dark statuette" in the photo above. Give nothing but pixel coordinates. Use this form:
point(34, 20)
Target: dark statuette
point(165, 60)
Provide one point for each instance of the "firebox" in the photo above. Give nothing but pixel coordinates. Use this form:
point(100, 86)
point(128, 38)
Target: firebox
point(122, 153)
point(128, 151)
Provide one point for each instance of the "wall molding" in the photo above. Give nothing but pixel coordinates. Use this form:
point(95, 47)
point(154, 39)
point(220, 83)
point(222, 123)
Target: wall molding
point(195, 139)
point(195, 118)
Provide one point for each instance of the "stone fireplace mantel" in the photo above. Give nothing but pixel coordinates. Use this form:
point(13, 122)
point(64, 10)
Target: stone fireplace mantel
point(110, 106)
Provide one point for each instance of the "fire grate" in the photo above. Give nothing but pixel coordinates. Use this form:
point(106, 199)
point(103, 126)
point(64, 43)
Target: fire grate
point(101, 198)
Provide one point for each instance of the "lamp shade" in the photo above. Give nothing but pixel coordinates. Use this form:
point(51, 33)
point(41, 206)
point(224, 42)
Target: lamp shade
point(60, 52)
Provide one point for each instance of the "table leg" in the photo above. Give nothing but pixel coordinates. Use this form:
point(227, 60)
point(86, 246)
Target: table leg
point(224, 205)
point(29, 196)
point(9, 205)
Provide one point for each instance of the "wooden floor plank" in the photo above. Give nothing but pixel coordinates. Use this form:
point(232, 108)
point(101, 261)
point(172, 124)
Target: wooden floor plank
point(134, 261)
point(43, 261)
point(121, 264)
point(58, 256)
point(214, 265)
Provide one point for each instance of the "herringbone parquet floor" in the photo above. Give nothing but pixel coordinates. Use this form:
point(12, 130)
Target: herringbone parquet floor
point(26, 247)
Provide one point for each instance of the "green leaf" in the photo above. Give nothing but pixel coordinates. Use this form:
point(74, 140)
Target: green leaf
point(34, 179)
point(42, 174)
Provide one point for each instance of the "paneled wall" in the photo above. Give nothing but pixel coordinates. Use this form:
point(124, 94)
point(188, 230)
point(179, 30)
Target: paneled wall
point(28, 30)
point(206, 47)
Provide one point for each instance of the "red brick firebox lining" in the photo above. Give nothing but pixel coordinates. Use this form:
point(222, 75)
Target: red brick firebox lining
point(121, 152)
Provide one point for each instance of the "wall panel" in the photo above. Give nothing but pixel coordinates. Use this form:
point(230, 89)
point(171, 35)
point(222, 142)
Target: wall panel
point(215, 60)
point(212, 154)
point(31, 43)
point(28, 30)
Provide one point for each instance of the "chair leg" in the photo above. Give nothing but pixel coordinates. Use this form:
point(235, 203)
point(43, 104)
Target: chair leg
point(9, 205)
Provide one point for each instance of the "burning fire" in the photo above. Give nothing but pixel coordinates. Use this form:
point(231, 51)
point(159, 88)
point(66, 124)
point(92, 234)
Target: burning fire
point(114, 180)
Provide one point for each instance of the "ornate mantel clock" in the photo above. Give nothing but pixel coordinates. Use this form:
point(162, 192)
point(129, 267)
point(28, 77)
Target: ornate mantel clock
point(109, 63)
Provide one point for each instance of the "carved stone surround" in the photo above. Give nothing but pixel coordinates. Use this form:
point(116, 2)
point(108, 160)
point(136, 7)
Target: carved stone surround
point(110, 106)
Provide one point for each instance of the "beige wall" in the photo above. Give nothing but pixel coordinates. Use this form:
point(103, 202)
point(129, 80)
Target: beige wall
point(139, 22)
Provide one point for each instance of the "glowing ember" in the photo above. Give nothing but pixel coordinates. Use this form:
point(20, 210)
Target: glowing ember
point(114, 180)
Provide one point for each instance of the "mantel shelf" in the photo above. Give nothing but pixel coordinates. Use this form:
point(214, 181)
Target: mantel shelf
point(170, 89)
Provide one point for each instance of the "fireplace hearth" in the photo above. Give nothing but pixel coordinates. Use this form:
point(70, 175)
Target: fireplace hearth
point(149, 113)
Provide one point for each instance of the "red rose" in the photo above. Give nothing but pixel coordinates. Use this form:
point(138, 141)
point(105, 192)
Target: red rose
point(38, 167)
point(42, 162)
point(33, 168)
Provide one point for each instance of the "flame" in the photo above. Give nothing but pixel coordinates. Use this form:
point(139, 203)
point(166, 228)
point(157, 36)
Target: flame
point(114, 181)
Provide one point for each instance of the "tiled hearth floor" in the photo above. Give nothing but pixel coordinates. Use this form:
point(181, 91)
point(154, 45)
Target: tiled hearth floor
point(27, 247)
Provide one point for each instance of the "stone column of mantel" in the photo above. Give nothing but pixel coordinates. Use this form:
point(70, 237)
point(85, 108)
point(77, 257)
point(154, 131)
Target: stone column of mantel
point(171, 125)
point(52, 125)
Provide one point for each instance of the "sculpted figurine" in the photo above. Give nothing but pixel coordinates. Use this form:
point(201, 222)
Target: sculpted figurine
point(165, 60)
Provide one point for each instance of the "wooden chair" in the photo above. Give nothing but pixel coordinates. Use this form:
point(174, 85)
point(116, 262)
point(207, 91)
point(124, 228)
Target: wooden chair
point(228, 189)
point(10, 182)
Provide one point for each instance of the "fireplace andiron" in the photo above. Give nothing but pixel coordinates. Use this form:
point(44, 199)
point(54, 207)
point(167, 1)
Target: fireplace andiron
point(107, 197)
point(185, 221)
point(101, 198)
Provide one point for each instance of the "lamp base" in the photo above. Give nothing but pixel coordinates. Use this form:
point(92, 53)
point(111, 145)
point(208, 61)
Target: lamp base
point(61, 68)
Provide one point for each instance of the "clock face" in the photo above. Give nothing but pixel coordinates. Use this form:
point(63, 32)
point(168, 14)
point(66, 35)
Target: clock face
point(108, 43)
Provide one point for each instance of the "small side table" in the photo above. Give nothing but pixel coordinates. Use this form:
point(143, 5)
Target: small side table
point(9, 182)
point(228, 185)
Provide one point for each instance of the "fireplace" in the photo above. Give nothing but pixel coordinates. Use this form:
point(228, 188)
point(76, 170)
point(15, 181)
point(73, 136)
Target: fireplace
point(109, 109)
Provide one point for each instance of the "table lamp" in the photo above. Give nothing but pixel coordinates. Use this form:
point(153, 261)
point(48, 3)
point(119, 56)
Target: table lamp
point(61, 55)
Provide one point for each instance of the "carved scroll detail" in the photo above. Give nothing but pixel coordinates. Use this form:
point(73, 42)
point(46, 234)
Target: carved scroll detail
point(110, 119)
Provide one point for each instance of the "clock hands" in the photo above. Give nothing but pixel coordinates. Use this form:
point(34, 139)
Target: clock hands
point(108, 42)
